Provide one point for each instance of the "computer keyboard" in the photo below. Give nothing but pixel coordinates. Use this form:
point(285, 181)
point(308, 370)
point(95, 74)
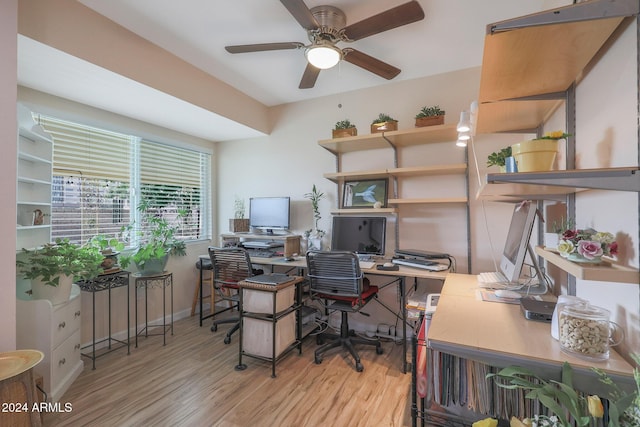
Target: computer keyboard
point(261, 253)
point(366, 264)
point(492, 277)
point(420, 263)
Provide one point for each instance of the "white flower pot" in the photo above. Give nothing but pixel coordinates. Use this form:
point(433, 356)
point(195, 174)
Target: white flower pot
point(56, 294)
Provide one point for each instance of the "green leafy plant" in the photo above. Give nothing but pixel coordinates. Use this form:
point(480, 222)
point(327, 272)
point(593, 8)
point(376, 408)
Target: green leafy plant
point(498, 158)
point(430, 112)
point(159, 239)
point(106, 244)
point(315, 196)
point(48, 262)
point(344, 124)
point(560, 398)
point(382, 117)
point(238, 208)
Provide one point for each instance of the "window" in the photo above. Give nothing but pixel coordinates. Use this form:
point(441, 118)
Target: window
point(99, 177)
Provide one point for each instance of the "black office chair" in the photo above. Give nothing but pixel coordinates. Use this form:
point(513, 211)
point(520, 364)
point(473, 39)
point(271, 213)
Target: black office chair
point(230, 266)
point(336, 276)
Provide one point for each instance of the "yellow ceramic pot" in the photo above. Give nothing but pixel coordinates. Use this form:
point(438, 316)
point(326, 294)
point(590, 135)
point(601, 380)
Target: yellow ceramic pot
point(536, 155)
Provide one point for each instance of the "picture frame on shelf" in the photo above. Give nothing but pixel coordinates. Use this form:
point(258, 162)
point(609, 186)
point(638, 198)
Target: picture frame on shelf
point(370, 193)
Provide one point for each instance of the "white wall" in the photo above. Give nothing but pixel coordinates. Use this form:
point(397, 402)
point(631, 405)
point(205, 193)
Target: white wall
point(8, 136)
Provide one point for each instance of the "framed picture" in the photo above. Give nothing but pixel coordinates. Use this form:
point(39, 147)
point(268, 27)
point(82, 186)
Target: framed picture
point(365, 193)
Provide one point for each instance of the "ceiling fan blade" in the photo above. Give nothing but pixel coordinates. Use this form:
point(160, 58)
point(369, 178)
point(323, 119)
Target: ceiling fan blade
point(260, 47)
point(309, 77)
point(301, 13)
point(392, 18)
point(370, 63)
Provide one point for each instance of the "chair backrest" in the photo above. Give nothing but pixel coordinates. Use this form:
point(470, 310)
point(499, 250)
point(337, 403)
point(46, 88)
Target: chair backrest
point(230, 265)
point(334, 273)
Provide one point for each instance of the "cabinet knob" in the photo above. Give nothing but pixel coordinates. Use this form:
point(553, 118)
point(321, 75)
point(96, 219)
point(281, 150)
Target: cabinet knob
point(77, 313)
point(62, 361)
point(62, 325)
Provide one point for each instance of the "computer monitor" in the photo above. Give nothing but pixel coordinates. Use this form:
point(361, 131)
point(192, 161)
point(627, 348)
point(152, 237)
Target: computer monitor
point(269, 213)
point(362, 235)
point(515, 247)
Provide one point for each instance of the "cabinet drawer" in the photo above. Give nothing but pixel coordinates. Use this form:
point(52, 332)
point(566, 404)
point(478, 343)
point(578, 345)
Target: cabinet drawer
point(65, 358)
point(66, 320)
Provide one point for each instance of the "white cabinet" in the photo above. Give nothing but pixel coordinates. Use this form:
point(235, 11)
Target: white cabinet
point(35, 149)
point(55, 331)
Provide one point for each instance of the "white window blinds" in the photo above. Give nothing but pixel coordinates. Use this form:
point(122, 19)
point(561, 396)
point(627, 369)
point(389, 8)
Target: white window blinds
point(94, 171)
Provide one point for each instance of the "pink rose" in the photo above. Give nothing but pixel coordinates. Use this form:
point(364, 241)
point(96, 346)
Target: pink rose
point(569, 234)
point(613, 249)
point(590, 249)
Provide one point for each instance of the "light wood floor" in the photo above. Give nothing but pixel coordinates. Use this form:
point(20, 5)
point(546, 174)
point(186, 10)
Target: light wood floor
point(192, 382)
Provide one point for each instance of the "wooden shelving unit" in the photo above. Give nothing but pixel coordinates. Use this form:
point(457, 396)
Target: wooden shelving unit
point(608, 271)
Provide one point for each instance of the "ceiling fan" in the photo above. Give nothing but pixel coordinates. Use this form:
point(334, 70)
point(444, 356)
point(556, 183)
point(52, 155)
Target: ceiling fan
point(326, 26)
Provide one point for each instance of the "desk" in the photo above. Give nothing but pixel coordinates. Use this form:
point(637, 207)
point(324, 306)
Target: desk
point(498, 335)
point(398, 276)
point(106, 282)
point(163, 280)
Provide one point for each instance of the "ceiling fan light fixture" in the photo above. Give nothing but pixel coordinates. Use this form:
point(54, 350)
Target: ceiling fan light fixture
point(323, 56)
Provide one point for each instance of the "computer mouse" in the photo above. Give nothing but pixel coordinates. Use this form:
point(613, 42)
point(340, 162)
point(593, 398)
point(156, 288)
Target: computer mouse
point(505, 293)
point(388, 264)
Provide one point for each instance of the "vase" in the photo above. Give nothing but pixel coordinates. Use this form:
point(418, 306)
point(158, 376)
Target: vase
point(384, 127)
point(56, 294)
point(153, 266)
point(576, 257)
point(314, 243)
point(537, 155)
point(429, 121)
point(342, 133)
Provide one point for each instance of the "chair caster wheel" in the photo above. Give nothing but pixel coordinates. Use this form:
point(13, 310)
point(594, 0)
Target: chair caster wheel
point(379, 350)
point(227, 340)
point(359, 367)
point(318, 360)
point(214, 327)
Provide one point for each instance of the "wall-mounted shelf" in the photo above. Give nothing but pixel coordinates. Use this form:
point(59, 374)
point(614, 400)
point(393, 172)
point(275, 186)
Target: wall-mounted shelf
point(397, 138)
point(529, 62)
point(458, 168)
point(427, 201)
point(364, 211)
point(556, 184)
point(607, 271)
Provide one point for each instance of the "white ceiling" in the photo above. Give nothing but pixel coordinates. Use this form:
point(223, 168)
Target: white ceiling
point(450, 38)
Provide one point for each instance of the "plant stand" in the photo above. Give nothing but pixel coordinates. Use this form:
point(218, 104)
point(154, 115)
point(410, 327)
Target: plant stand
point(163, 280)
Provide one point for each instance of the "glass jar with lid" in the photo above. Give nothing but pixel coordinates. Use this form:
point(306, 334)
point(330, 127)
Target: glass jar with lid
point(585, 331)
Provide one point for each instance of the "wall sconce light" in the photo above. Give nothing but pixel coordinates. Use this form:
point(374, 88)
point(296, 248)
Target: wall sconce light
point(464, 125)
point(323, 56)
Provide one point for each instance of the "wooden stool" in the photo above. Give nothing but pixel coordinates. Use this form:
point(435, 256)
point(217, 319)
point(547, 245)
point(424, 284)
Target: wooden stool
point(17, 387)
point(203, 265)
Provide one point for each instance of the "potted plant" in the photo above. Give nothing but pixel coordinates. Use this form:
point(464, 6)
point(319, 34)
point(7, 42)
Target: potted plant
point(430, 116)
point(238, 224)
point(159, 242)
point(344, 128)
point(53, 267)
point(538, 154)
point(384, 123)
point(314, 236)
point(109, 247)
point(498, 158)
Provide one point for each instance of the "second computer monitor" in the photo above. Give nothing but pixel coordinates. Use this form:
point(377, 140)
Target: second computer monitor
point(363, 235)
point(515, 247)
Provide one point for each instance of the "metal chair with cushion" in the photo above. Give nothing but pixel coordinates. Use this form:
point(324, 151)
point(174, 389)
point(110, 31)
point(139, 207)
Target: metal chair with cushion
point(230, 266)
point(336, 276)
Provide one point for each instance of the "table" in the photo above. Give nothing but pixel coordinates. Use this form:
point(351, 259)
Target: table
point(101, 283)
point(163, 280)
point(299, 264)
point(498, 335)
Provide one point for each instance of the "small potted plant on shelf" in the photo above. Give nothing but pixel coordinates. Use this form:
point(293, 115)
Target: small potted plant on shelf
point(344, 128)
point(498, 158)
point(430, 116)
point(314, 236)
point(159, 242)
point(238, 224)
point(384, 123)
point(538, 154)
point(53, 268)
